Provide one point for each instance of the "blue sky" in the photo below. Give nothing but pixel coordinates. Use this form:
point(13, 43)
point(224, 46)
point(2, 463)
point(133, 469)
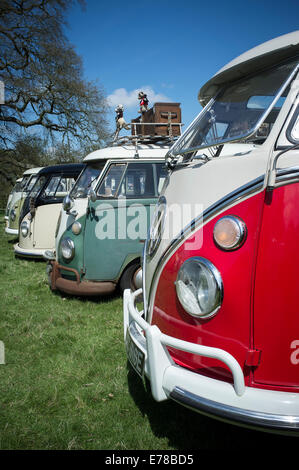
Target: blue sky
point(169, 48)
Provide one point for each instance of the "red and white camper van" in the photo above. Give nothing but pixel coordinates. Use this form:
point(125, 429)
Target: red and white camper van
point(219, 332)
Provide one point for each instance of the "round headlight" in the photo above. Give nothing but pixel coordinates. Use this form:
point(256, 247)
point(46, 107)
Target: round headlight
point(67, 248)
point(229, 232)
point(76, 228)
point(24, 228)
point(199, 287)
point(13, 215)
point(157, 227)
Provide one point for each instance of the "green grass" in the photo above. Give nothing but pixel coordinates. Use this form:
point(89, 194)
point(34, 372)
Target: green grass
point(66, 383)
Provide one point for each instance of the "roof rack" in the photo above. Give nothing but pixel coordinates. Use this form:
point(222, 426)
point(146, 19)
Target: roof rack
point(147, 138)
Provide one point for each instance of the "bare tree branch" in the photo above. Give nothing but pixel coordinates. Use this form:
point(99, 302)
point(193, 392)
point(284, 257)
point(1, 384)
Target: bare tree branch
point(44, 82)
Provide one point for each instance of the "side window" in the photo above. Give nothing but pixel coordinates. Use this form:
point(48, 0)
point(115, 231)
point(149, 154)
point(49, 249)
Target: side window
point(138, 181)
point(133, 180)
point(32, 182)
point(109, 186)
point(58, 187)
point(24, 182)
point(51, 187)
point(38, 184)
point(293, 129)
point(64, 186)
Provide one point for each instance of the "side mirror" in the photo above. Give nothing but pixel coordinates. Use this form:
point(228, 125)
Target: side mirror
point(67, 203)
point(92, 195)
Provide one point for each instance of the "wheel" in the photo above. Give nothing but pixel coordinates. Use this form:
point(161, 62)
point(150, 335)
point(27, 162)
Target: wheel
point(131, 278)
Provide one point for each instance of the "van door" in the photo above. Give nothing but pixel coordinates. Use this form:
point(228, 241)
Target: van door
point(118, 221)
point(276, 304)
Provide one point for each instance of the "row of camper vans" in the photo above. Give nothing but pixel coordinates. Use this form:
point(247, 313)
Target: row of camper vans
point(16, 199)
point(114, 187)
point(218, 330)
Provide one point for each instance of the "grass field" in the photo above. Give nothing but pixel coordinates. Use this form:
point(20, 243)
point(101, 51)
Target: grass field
point(66, 383)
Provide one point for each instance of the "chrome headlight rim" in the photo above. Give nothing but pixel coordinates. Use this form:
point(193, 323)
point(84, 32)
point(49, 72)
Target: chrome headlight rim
point(67, 244)
point(156, 228)
point(24, 227)
point(219, 292)
point(242, 232)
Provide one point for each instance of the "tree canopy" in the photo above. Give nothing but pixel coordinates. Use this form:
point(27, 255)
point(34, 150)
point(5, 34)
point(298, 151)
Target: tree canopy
point(47, 99)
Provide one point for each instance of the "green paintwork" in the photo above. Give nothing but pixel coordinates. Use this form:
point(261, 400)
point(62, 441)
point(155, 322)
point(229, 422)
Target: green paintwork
point(77, 261)
point(105, 258)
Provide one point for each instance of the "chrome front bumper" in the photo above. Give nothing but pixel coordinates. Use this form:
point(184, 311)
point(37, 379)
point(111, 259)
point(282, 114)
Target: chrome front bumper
point(11, 231)
point(259, 408)
point(28, 253)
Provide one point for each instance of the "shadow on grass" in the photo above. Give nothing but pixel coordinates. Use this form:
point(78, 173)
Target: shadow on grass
point(14, 241)
point(186, 429)
point(89, 298)
point(28, 258)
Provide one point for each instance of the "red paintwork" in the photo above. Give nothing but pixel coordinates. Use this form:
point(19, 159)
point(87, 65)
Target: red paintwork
point(276, 300)
point(234, 328)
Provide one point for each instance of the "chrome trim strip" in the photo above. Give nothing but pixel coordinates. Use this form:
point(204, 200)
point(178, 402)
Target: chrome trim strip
point(252, 187)
point(231, 413)
point(143, 266)
point(30, 254)
point(170, 155)
point(158, 223)
point(287, 175)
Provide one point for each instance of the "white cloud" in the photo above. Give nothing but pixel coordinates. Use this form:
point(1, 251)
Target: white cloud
point(129, 99)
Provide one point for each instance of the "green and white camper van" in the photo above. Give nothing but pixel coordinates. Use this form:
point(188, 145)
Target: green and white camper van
point(16, 203)
point(104, 221)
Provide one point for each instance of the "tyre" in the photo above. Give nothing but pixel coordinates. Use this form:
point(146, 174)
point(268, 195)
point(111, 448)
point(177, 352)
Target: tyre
point(131, 278)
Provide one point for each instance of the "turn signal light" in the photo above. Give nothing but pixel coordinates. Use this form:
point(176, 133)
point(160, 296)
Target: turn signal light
point(229, 232)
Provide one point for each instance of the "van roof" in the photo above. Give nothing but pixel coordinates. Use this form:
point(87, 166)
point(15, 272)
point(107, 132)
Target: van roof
point(265, 55)
point(128, 151)
point(67, 168)
point(32, 171)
